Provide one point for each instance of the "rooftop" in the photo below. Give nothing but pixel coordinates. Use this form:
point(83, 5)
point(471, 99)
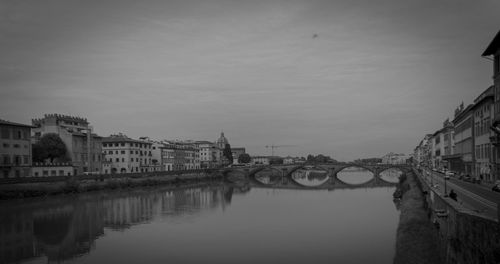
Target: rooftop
point(123, 139)
point(493, 46)
point(8, 123)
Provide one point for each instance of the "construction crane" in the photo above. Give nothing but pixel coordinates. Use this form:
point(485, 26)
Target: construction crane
point(277, 146)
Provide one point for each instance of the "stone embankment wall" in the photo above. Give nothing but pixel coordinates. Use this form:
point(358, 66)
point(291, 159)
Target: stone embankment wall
point(417, 241)
point(465, 237)
point(79, 185)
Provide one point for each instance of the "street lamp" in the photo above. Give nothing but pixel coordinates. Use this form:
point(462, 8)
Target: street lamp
point(432, 183)
point(445, 192)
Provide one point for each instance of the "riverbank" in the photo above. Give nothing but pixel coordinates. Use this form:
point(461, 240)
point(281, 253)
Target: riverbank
point(417, 240)
point(73, 185)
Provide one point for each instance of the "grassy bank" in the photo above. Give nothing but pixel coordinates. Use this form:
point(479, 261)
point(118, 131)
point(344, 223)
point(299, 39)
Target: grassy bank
point(73, 186)
point(417, 240)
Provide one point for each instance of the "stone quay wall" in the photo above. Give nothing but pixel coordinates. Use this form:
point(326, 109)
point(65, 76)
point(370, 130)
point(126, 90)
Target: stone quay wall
point(465, 236)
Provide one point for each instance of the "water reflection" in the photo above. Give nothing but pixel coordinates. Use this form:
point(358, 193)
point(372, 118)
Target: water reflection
point(391, 175)
point(238, 223)
point(310, 177)
point(63, 229)
point(355, 175)
point(268, 176)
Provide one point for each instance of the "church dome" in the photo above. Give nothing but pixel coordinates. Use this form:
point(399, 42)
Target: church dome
point(222, 141)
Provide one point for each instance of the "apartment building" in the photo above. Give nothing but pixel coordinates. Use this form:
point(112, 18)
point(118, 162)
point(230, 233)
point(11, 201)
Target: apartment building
point(15, 149)
point(127, 155)
point(493, 52)
point(483, 118)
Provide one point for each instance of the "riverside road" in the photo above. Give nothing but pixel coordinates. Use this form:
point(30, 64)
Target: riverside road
point(475, 197)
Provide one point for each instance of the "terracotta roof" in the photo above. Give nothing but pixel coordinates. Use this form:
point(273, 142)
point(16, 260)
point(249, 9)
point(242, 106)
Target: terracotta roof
point(123, 139)
point(5, 122)
point(493, 46)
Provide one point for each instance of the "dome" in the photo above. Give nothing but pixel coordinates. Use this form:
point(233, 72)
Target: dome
point(222, 141)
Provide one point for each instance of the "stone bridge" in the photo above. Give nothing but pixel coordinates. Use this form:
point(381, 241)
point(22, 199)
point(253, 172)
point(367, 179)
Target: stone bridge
point(282, 175)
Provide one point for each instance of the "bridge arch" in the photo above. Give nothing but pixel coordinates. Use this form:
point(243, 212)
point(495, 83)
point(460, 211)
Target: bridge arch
point(297, 182)
point(372, 170)
point(381, 171)
point(305, 166)
point(252, 175)
point(338, 169)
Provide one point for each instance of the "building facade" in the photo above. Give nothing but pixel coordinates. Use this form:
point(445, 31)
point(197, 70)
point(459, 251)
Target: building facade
point(84, 148)
point(15, 150)
point(127, 155)
point(422, 152)
point(261, 160)
point(394, 158)
point(209, 154)
point(483, 118)
point(51, 169)
point(493, 52)
point(437, 152)
point(236, 152)
point(462, 160)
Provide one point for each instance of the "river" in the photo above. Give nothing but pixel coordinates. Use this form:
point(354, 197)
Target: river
point(208, 223)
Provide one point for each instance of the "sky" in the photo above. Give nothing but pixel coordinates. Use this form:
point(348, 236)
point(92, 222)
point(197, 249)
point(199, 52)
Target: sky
point(348, 78)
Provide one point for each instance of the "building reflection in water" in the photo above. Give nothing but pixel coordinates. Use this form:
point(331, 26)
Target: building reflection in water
point(65, 228)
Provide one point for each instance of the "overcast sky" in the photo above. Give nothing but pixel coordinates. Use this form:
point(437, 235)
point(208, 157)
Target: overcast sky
point(350, 78)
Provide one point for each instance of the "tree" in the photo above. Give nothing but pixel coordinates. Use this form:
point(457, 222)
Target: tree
point(50, 147)
point(228, 154)
point(244, 158)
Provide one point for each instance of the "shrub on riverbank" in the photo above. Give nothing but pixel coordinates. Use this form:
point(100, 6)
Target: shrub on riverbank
point(417, 240)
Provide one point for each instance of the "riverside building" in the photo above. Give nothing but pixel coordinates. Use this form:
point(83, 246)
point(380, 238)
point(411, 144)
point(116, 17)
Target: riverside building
point(483, 118)
point(127, 155)
point(15, 149)
point(84, 147)
point(493, 52)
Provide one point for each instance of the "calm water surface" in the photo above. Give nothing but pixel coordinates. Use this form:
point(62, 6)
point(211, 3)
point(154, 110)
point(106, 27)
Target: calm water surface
point(217, 223)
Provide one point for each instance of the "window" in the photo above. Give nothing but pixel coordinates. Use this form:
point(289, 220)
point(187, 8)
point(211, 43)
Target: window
point(17, 160)
point(117, 160)
point(16, 146)
point(36, 173)
point(18, 135)
point(26, 159)
point(61, 173)
point(5, 133)
point(45, 173)
point(5, 145)
point(53, 173)
point(122, 144)
point(123, 151)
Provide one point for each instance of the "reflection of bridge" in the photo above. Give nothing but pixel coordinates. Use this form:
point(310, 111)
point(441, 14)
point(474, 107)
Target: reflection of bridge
point(282, 175)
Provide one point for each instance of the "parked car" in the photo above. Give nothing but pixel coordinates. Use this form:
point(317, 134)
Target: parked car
point(468, 178)
point(448, 174)
point(496, 187)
